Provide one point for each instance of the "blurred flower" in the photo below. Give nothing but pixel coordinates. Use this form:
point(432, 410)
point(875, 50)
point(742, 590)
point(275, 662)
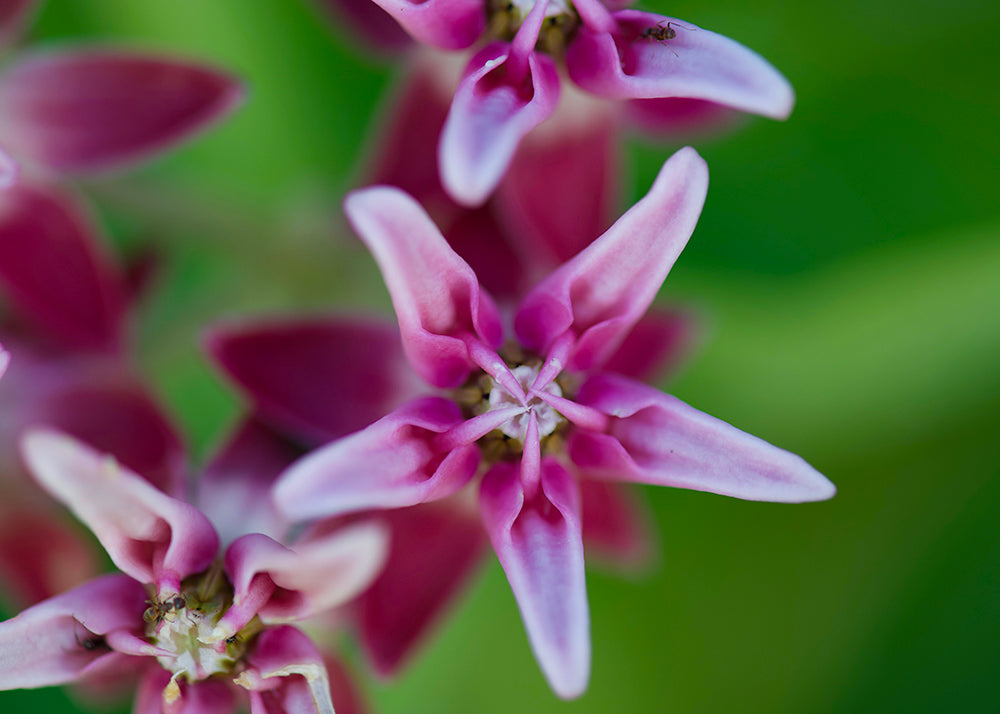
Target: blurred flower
point(90, 109)
point(534, 415)
point(512, 84)
point(203, 617)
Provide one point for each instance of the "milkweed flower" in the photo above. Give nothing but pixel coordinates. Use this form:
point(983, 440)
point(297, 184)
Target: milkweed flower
point(533, 414)
point(195, 624)
point(512, 82)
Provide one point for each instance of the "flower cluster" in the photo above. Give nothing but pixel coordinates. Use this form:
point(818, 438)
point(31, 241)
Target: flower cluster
point(508, 405)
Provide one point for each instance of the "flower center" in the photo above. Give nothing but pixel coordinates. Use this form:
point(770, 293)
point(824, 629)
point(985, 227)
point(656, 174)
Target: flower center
point(504, 18)
point(517, 427)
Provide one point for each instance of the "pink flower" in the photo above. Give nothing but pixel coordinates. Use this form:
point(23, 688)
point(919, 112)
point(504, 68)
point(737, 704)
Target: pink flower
point(92, 109)
point(534, 414)
point(187, 620)
point(677, 71)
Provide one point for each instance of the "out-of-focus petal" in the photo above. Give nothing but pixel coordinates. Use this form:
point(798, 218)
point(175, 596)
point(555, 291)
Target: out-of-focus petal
point(59, 640)
point(210, 696)
point(40, 555)
point(602, 292)
point(617, 529)
point(435, 550)
point(9, 170)
point(695, 64)
point(311, 577)
point(489, 116)
point(234, 490)
point(657, 345)
point(390, 464)
point(347, 698)
point(316, 378)
point(447, 24)
point(436, 295)
point(658, 439)
point(287, 674)
point(93, 109)
point(540, 547)
point(365, 17)
point(55, 271)
point(14, 17)
point(149, 535)
point(673, 117)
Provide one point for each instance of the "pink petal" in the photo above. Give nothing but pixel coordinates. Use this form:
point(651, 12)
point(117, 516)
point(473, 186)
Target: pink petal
point(55, 270)
point(92, 109)
point(657, 439)
point(561, 189)
point(206, 697)
point(152, 537)
point(436, 295)
point(435, 550)
point(673, 117)
point(446, 24)
point(60, 640)
point(695, 64)
point(10, 170)
point(390, 464)
point(287, 675)
point(234, 490)
point(658, 343)
point(347, 697)
point(316, 378)
point(374, 24)
point(617, 527)
point(490, 114)
point(602, 292)
point(15, 15)
point(540, 547)
point(311, 577)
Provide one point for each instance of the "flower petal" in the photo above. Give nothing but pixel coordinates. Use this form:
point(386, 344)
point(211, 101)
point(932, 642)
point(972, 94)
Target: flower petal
point(55, 271)
point(435, 550)
point(490, 114)
point(286, 674)
point(92, 109)
point(658, 343)
point(673, 117)
point(695, 64)
point(14, 17)
point(59, 640)
point(658, 439)
point(390, 464)
point(365, 17)
point(436, 295)
point(617, 527)
point(602, 292)
point(347, 696)
point(446, 24)
point(149, 535)
point(317, 379)
point(210, 696)
point(540, 547)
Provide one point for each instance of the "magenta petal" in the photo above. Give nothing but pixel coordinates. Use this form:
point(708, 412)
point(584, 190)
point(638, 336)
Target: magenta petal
point(59, 640)
point(658, 344)
point(316, 378)
point(14, 17)
point(91, 109)
point(347, 697)
point(286, 674)
point(447, 24)
point(55, 270)
point(390, 464)
point(617, 528)
point(658, 439)
point(490, 114)
point(211, 696)
point(10, 170)
point(601, 293)
point(672, 117)
point(695, 64)
point(436, 295)
point(365, 17)
point(540, 547)
point(149, 535)
point(435, 550)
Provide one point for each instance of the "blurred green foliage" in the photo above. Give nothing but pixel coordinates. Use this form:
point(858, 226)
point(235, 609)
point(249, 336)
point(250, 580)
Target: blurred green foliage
point(848, 268)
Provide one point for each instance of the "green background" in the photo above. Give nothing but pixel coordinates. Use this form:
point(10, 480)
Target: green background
point(847, 266)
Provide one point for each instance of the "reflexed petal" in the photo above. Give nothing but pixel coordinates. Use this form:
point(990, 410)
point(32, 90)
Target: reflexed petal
point(390, 464)
point(540, 548)
point(695, 64)
point(149, 535)
point(617, 527)
point(55, 270)
point(314, 576)
point(602, 292)
point(490, 114)
point(658, 439)
point(658, 343)
point(316, 378)
point(91, 109)
point(436, 295)
point(59, 640)
point(447, 24)
point(435, 550)
point(14, 17)
point(286, 675)
point(365, 17)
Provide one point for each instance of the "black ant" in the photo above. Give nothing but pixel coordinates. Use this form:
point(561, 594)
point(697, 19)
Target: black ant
point(661, 33)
